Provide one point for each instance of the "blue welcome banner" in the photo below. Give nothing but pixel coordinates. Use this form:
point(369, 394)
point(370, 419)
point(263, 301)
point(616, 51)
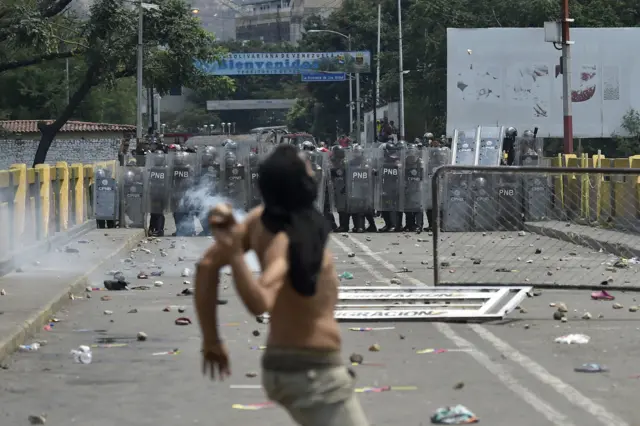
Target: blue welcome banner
point(288, 63)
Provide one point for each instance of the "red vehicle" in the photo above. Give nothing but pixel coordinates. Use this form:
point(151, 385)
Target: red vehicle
point(176, 138)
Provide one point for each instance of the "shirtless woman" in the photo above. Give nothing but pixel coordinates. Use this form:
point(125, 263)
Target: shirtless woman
point(302, 366)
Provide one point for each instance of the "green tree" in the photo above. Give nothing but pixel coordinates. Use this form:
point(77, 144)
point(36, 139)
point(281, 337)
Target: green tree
point(173, 41)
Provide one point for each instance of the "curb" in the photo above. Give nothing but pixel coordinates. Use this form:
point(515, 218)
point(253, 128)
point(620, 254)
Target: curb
point(36, 321)
point(618, 249)
point(45, 246)
point(546, 286)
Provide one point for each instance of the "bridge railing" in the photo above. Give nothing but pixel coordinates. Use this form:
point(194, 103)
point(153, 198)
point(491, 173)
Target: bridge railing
point(37, 204)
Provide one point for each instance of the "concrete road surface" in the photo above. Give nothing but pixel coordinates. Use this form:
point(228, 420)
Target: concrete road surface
point(510, 373)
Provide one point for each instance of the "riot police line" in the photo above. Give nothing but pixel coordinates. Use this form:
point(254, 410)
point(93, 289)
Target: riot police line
point(392, 180)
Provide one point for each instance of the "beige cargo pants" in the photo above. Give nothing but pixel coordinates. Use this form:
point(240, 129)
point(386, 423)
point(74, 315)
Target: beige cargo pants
point(321, 397)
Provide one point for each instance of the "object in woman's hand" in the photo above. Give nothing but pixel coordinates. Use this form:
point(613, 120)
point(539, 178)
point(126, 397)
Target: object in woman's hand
point(221, 216)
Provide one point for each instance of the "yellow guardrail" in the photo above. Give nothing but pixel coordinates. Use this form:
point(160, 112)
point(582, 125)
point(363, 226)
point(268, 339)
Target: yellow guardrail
point(36, 203)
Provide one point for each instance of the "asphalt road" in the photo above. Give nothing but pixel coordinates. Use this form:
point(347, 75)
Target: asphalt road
point(512, 371)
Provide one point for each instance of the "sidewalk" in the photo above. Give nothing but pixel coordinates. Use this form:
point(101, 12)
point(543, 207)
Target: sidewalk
point(617, 242)
point(42, 286)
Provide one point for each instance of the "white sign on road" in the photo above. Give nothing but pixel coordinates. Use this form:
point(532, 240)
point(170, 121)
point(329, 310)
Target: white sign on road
point(250, 104)
point(511, 77)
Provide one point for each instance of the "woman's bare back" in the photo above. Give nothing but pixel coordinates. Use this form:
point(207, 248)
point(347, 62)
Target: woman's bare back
point(297, 321)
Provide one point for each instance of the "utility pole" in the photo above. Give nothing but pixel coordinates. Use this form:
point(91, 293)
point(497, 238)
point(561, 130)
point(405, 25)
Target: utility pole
point(350, 93)
point(400, 66)
point(139, 77)
point(566, 79)
point(377, 80)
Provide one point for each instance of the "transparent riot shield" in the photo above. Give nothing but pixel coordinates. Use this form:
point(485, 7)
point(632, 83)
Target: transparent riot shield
point(465, 147)
point(415, 171)
point(234, 175)
point(183, 171)
point(320, 164)
point(359, 180)
point(255, 158)
point(435, 157)
point(132, 194)
point(508, 188)
point(337, 182)
point(157, 183)
point(389, 191)
point(536, 188)
point(484, 202)
point(490, 149)
point(105, 194)
point(457, 208)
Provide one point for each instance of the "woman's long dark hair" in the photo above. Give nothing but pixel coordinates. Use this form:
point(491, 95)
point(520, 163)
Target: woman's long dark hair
point(289, 193)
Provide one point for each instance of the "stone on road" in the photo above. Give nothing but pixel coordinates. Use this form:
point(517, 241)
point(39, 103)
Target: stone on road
point(507, 372)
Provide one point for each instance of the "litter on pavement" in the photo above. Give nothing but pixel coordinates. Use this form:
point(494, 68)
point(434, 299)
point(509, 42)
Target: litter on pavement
point(456, 415)
point(591, 368)
point(253, 407)
point(573, 339)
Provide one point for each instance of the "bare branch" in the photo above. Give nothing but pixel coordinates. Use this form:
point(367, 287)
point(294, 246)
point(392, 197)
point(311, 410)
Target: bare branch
point(8, 66)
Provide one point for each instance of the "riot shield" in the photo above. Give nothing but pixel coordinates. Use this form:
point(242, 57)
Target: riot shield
point(234, 178)
point(105, 194)
point(389, 192)
point(465, 147)
point(338, 182)
point(132, 194)
point(415, 170)
point(157, 183)
point(209, 174)
point(509, 191)
point(183, 196)
point(320, 164)
point(435, 157)
point(536, 188)
point(253, 176)
point(359, 180)
point(457, 207)
point(490, 149)
point(484, 202)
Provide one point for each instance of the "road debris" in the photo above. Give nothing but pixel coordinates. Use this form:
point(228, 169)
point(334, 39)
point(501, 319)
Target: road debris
point(33, 347)
point(142, 336)
point(251, 374)
point(356, 358)
point(602, 295)
point(37, 420)
point(573, 339)
point(591, 368)
point(3, 292)
point(183, 321)
point(456, 415)
point(374, 348)
point(82, 355)
point(253, 407)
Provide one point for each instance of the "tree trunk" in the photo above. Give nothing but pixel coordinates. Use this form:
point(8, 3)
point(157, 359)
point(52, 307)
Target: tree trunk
point(49, 131)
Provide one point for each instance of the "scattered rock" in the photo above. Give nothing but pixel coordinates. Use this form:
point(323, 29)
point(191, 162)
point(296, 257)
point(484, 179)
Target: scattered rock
point(3, 292)
point(458, 386)
point(527, 326)
point(633, 308)
point(180, 259)
point(186, 282)
point(558, 316)
point(108, 312)
point(523, 311)
point(181, 309)
point(142, 336)
point(105, 298)
point(374, 348)
point(537, 292)
point(142, 276)
point(477, 261)
point(133, 311)
point(186, 272)
point(586, 316)
point(562, 307)
point(71, 250)
point(522, 234)
point(402, 336)
point(158, 283)
point(564, 319)
point(617, 306)
point(351, 254)
point(167, 309)
point(395, 281)
point(445, 264)
point(356, 358)
point(538, 251)
point(251, 374)
point(37, 420)
point(256, 333)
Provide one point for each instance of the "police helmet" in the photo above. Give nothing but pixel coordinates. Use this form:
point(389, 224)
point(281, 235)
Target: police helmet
point(228, 143)
point(101, 174)
point(511, 132)
point(528, 134)
point(337, 152)
point(230, 158)
point(181, 159)
point(358, 151)
point(253, 159)
point(428, 136)
point(130, 176)
point(159, 158)
point(308, 146)
point(132, 162)
point(480, 182)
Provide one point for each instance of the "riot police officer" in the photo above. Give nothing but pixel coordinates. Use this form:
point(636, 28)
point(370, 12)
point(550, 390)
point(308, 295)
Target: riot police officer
point(209, 184)
point(338, 171)
point(234, 184)
point(389, 181)
point(509, 144)
point(360, 188)
point(413, 190)
point(157, 190)
point(133, 193)
point(104, 175)
point(254, 176)
point(182, 205)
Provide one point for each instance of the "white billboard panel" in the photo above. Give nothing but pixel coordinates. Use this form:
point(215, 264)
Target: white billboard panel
point(512, 77)
point(250, 104)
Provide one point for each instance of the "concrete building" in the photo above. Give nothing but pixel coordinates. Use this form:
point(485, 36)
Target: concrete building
point(278, 21)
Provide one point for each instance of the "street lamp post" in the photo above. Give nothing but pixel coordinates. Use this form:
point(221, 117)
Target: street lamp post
point(141, 8)
point(400, 66)
point(351, 120)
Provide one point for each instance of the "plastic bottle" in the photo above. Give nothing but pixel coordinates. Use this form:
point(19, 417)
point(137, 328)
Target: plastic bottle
point(82, 355)
point(30, 348)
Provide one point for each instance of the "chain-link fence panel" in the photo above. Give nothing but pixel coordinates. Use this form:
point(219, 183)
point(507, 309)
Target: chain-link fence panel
point(545, 226)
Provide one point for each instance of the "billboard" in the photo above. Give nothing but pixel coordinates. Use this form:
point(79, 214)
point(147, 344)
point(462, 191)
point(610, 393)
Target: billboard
point(250, 104)
point(288, 63)
point(512, 77)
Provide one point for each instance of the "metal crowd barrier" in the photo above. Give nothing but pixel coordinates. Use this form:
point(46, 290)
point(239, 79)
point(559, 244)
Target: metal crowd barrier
point(544, 226)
